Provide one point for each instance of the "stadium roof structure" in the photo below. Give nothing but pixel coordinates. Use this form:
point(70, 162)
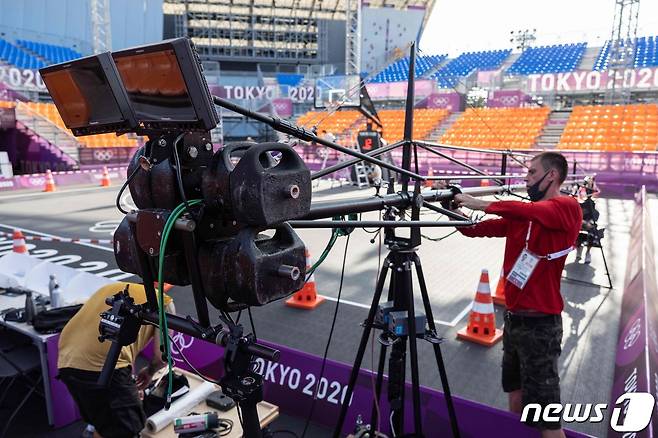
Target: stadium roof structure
point(274, 30)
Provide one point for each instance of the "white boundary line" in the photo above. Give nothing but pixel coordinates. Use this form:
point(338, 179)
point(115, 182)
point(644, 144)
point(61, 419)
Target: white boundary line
point(35, 194)
point(27, 230)
point(437, 321)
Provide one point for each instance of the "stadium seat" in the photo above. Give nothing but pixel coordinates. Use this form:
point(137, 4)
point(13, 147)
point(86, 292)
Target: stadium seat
point(398, 71)
point(548, 59)
point(497, 128)
point(449, 75)
point(645, 53)
point(612, 128)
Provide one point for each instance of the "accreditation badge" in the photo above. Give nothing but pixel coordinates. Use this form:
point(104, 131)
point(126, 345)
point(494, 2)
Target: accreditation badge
point(523, 267)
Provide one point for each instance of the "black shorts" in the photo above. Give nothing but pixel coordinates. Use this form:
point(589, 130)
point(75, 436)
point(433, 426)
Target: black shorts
point(116, 411)
point(532, 346)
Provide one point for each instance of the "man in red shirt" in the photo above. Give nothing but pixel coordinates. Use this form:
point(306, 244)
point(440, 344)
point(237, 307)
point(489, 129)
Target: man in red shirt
point(539, 236)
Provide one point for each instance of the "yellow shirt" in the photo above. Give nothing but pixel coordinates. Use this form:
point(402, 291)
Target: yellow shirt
point(79, 346)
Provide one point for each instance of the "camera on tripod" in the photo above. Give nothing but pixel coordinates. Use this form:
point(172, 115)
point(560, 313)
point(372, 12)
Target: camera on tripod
point(241, 191)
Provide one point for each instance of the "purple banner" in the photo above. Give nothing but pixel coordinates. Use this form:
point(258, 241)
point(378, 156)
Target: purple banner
point(507, 99)
point(636, 364)
point(38, 180)
point(592, 80)
point(398, 90)
point(450, 101)
point(7, 118)
point(100, 156)
point(283, 107)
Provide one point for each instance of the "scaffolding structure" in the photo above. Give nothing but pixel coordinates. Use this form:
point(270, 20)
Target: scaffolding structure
point(100, 25)
point(622, 51)
point(283, 31)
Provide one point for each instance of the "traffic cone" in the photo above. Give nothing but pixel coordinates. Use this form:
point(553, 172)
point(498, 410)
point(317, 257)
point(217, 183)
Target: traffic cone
point(484, 183)
point(50, 182)
point(428, 182)
point(105, 179)
point(481, 327)
point(19, 243)
point(165, 286)
point(307, 297)
point(499, 294)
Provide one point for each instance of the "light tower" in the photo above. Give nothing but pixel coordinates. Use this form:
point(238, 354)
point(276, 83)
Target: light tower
point(622, 51)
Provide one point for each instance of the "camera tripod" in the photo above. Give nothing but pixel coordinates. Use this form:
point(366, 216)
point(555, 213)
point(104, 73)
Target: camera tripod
point(400, 262)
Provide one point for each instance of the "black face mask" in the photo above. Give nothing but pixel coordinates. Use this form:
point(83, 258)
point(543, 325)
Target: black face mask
point(533, 191)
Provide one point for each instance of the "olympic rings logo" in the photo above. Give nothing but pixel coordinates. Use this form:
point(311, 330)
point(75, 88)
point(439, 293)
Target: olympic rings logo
point(103, 154)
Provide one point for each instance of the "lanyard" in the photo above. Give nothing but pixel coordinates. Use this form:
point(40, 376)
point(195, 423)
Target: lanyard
point(551, 256)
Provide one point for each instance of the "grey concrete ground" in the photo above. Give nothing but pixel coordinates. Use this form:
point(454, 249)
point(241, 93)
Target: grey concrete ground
point(452, 268)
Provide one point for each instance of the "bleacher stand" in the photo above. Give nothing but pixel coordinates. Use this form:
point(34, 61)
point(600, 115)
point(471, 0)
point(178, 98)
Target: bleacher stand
point(646, 54)
point(612, 128)
point(399, 70)
point(49, 111)
point(548, 59)
point(425, 121)
point(50, 52)
point(449, 75)
point(18, 57)
point(497, 128)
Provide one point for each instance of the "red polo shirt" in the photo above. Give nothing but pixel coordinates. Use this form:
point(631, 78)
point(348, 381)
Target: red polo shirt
point(555, 226)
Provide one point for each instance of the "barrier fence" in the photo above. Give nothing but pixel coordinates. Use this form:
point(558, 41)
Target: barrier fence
point(636, 362)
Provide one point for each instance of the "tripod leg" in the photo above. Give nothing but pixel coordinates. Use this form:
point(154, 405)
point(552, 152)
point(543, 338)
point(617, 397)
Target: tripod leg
point(413, 349)
point(607, 271)
point(437, 349)
point(362, 348)
point(380, 368)
point(250, 421)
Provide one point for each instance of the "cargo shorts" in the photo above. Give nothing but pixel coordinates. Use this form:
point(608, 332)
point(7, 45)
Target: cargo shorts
point(531, 349)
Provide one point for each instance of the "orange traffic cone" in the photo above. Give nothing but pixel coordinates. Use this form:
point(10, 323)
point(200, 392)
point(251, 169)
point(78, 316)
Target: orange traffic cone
point(19, 243)
point(481, 327)
point(105, 179)
point(166, 286)
point(50, 182)
point(499, 294)
point(484, 183)
point(307, 297)
point(428, 182)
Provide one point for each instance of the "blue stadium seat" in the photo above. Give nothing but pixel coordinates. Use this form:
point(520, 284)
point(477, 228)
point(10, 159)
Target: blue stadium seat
point(449, 75)
point(53, 54)
point(646, 53)
point(548, 59)
point(399, 70)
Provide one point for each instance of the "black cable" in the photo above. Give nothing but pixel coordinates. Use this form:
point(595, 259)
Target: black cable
point(331, 333)
point(179, 177)
point(438, 239)
point(194, 370)
point(251, 321)
point(123, 187)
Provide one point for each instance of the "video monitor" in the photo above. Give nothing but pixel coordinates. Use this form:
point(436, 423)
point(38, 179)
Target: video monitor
point(89, 95)
point(166, 87)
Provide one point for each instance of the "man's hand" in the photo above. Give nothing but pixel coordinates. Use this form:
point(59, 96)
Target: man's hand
point(144, 377)
point(469, 201)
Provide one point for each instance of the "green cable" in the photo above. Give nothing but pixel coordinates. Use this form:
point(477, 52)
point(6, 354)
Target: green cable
point(336, 233)
point(162, 315)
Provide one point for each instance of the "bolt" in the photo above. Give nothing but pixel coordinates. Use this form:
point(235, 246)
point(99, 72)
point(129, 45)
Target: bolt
point(193, 152)
point(208, 147)
point(212, 226)
point(293, 191)
point(162, 142)
point(151, 251)
point(159, 234)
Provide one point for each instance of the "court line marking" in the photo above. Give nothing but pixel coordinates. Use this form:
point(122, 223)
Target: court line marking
point(27, 230)
point(452, 323)
point(35, 194)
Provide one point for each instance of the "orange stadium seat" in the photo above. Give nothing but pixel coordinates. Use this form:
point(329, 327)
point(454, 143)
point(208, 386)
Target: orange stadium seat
point(497, 128)
point(612, 128)
point(49, 111)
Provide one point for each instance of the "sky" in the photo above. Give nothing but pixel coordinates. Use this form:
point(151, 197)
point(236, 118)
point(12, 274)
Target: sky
point(457, 26)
